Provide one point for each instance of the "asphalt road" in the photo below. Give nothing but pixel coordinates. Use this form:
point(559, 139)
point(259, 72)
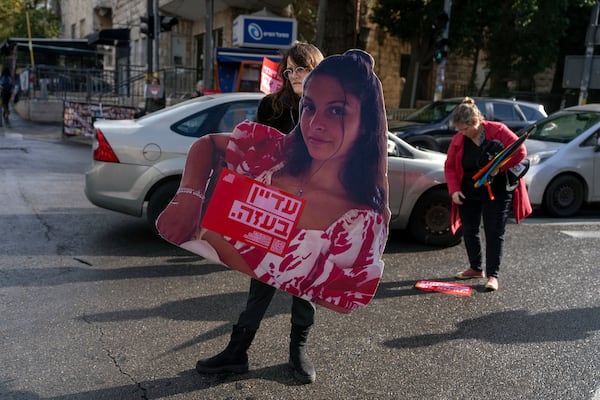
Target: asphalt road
point(94, 306)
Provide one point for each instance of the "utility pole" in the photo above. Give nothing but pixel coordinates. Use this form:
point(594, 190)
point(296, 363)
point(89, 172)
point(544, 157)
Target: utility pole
point(590, 41)
point(440, 49)
point(156, 27)
point(207, 62)
point(149, 47)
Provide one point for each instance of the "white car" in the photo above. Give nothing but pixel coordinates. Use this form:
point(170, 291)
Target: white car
point(140, 162)
point(564, 154)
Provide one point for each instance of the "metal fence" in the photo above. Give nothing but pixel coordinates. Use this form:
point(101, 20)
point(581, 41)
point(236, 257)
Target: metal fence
point(123, 87)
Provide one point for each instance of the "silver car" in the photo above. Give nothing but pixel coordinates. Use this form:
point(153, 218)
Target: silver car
point(139, 163)
point(564, 154)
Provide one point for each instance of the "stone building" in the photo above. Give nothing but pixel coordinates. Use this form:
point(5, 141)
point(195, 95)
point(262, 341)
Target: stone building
point(183, 46)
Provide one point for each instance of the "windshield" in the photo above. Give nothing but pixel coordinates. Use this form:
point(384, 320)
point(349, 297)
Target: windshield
point(432, 113)
point(564, 127)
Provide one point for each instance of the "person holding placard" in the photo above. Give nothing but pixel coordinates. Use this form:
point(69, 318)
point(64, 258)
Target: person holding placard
point(335, 162)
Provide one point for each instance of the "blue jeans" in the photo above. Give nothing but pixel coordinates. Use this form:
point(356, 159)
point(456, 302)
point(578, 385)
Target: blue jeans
point(259, 298)
point(494, 214)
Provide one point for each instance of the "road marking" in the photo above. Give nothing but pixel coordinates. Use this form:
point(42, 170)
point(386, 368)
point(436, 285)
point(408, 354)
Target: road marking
point(12, 135)
point(583, 234)
point(560, 221)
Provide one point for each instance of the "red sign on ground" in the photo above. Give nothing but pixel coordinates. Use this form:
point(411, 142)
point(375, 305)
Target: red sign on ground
point(445, 287)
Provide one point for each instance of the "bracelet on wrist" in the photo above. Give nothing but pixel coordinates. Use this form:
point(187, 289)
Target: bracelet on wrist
point(193, 192)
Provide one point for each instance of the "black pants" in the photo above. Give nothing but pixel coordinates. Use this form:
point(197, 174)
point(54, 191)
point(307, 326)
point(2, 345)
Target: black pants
point(259, 298)
point(494, 213)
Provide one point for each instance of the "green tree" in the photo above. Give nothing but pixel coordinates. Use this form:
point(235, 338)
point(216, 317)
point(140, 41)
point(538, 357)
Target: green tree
point(337, 31)
point(411, 21)
point(518, 37)
point(43, 21)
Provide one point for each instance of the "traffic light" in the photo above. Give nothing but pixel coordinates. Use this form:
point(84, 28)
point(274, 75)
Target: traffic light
point(167, 23)
point(440, 50)
point(147, 27)
point(440, 43)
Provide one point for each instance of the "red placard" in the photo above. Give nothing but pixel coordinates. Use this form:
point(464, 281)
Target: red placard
point(270, 80)
point(253, 212)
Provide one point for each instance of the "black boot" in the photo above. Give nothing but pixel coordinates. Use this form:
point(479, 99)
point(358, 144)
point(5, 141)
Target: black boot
point(234, 358)
point(304, 370)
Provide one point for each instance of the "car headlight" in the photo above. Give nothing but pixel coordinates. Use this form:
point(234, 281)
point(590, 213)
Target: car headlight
point(538, 158)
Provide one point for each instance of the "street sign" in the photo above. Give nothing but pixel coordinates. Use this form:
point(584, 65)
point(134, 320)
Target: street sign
point(264, 32)
point(573, 72)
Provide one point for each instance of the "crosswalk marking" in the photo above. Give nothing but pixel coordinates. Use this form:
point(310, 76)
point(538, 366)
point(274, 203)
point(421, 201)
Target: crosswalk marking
point(583, 234)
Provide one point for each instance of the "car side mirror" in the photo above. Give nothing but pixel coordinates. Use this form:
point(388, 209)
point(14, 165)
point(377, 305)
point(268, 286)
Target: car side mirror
point(392, 149)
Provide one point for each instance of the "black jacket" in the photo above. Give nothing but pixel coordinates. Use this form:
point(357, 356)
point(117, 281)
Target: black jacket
point(284, 121)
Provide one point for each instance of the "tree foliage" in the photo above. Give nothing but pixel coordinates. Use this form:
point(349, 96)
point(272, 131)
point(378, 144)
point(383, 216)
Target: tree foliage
point(518, 37)
point(43, 22)
point(411, 21)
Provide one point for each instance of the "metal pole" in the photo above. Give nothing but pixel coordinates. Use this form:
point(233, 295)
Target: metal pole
point(590, 40)
point(149, 47)
point(207, 61)
point(441, 68)
point(29, 35)
point(156, 28)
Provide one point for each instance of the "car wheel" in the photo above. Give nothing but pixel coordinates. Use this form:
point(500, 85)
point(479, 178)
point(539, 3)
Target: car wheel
point(430, 220)
point(159, 200)
point(564, 196)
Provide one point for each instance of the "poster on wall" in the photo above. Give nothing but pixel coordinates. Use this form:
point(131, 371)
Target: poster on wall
point(79, 117)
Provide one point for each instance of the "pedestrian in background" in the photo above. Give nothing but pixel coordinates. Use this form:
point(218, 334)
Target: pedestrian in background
point(155, 101)
point(199, 89)
point(470, 149)
point(6, 86)
point(280, 108)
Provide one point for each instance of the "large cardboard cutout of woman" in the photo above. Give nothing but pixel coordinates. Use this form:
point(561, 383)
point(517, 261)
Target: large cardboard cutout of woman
point(306, 212)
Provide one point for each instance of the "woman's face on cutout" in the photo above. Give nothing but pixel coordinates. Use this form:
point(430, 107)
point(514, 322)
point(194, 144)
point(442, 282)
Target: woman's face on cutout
point(330, 119)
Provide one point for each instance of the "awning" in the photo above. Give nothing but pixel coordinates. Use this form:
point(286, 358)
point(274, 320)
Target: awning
point(57, 49)
point(110, 37)
point(238, 54)
point(65, 46)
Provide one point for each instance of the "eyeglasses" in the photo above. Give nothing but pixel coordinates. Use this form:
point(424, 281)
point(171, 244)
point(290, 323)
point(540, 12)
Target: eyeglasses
point(297, 70)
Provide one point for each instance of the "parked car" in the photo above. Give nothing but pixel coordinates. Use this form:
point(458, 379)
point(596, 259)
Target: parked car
point(140, 162)
point(429, 126)
point(419, 198)
point(564, 154)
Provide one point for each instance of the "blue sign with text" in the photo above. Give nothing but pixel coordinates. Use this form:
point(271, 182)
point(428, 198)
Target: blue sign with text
point(264, 32)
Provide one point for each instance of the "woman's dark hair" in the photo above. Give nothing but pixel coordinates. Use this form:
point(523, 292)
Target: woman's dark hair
point(303, 55)
point(364, 174)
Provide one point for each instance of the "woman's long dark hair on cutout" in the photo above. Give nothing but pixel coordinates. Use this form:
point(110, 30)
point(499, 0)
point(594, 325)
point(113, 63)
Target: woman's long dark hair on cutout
point(364, 175)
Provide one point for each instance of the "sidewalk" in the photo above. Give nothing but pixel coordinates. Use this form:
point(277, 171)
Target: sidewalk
point(45, 130)
point(16, 124)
